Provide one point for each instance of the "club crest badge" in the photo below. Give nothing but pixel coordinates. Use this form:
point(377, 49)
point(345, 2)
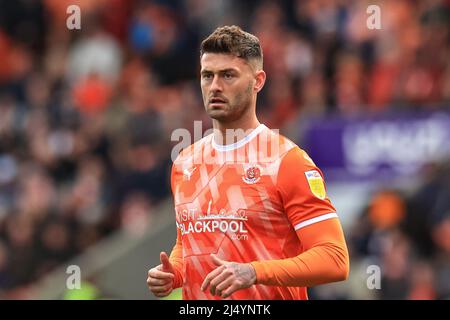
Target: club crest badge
point(252, 174)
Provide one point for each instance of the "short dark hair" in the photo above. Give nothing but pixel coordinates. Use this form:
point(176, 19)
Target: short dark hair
point(233, 40)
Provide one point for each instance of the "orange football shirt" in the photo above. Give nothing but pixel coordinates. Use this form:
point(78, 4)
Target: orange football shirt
point(240, 201)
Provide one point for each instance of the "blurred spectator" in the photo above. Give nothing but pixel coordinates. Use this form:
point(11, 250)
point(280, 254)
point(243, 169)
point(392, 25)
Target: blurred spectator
point(441, 237)
point(396, 266)
point(135, 213)
point(97, 53)
point(5, 277)
point(422, 285)
point(92, 95)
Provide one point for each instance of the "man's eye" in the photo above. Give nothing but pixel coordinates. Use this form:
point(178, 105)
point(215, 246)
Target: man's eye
point(207, 76)
point(228, 76)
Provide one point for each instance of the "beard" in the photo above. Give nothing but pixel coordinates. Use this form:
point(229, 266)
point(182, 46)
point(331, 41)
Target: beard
point(233, 109)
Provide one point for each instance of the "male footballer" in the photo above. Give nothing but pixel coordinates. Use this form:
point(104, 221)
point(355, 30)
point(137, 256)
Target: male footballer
point(253, 217)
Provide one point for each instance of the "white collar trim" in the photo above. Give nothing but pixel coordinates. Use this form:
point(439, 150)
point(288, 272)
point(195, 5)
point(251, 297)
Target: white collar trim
point(240, 143)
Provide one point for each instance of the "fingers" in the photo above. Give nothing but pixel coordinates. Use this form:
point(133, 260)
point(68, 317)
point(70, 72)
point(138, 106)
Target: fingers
point(211, 276)
point(161, 289)
point(228, 277)
point(214, 273)
point(166, 265)
point(159, 274)
point(216, 260)
point(160, 283)
point(153, 282)
point(160, 278)
point(162, 294)
point(157, 282)
point(229, 291)
point(218, 280)
point(223, 285)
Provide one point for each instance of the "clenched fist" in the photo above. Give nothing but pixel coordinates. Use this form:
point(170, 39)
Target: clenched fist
point(228, 277)
point(160, 278)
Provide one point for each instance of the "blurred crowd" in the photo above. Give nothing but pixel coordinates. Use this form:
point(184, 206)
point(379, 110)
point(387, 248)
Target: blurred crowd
point(86, 115)
point(407, 235)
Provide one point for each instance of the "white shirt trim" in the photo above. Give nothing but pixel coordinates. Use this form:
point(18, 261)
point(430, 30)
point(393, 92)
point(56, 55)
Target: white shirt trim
point(240, 143)
point(316, 219)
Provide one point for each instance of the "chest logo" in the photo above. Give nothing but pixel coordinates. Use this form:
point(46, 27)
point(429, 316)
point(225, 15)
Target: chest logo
point(188, 173)
point(252, 174)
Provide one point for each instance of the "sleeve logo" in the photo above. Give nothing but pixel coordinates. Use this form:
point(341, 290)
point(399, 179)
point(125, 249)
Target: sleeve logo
point(316, 184)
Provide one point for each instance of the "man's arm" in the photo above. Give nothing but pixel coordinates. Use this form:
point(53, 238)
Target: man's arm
point(176, 259)
point(324, 256)
point(176, 256)
point(324, 260)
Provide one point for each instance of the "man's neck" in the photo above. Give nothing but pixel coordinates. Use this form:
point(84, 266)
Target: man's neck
point(228, 133)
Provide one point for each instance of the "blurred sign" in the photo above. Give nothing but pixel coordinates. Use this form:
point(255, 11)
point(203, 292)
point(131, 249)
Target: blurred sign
point(379, 147)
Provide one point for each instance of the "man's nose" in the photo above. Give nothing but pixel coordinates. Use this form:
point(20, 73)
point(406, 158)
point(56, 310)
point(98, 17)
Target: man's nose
point(216, 85)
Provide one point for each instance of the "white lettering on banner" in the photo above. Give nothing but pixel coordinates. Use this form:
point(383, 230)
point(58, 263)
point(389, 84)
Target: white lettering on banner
point(404, 146)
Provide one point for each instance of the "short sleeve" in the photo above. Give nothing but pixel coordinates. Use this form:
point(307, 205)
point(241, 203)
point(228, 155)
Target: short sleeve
point(302, 188)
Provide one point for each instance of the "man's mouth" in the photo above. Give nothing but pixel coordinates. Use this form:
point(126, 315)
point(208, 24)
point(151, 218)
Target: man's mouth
point(217, 101)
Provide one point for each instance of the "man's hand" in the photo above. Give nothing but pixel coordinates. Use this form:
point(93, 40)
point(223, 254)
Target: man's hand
point(160, 278)
point(228, 277)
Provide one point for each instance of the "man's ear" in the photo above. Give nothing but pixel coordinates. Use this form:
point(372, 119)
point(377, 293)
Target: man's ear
point(260, 78)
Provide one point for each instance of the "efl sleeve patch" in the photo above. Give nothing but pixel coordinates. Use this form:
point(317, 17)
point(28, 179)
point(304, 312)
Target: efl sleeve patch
point(316, 184)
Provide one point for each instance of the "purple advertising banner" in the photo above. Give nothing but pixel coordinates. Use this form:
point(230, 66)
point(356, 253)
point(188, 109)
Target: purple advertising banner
point(381, 147)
